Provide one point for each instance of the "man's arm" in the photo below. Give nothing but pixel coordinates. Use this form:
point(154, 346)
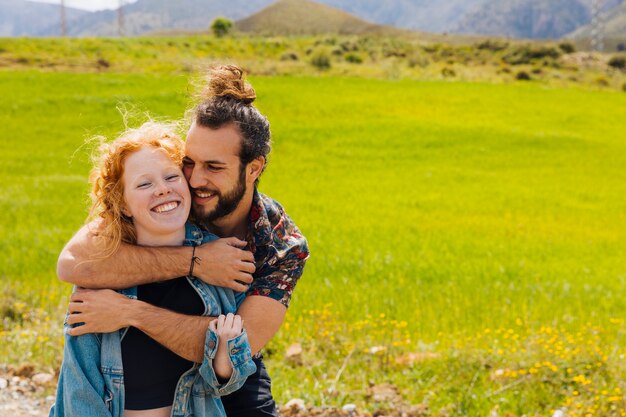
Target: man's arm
point(106, 311)
point(222, 263)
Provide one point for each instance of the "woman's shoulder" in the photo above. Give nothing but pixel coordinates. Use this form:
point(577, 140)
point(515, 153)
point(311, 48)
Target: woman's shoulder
point(196, 235)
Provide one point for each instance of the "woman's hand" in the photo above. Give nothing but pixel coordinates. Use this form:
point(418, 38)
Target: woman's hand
point(226, 327)
point(101, 311)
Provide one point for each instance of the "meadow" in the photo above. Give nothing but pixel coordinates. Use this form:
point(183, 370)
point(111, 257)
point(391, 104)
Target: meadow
point(468, 239)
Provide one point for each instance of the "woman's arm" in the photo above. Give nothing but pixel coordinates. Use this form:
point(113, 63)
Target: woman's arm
point(81, 389)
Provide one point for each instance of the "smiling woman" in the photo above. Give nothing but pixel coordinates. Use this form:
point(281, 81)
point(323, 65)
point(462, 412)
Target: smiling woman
point(140, 197)
point(139, 169)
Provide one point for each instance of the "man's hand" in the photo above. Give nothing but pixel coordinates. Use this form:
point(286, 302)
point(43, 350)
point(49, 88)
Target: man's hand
point(224, 263)
point(101, 311)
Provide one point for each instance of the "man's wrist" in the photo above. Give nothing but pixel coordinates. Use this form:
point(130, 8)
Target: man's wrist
point(134, 312)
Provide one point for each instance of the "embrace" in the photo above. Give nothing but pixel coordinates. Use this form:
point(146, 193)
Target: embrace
point(184, 272)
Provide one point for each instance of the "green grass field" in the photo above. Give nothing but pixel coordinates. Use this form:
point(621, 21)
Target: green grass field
point(468, 240)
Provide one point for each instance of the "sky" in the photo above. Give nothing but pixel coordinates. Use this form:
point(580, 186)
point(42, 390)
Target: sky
point(89, 4)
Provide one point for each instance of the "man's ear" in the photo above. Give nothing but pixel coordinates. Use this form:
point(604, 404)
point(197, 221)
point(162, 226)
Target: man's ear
point(254, 169)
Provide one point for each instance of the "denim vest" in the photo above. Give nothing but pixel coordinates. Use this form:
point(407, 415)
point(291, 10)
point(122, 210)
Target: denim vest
point(91, 382)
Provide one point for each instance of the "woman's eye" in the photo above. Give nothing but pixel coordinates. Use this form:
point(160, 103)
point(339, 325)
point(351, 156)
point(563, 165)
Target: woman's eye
point(144, 185)
point(172, 177)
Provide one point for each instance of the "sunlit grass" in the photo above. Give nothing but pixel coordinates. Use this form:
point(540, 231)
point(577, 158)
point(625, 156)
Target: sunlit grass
point(478, 227)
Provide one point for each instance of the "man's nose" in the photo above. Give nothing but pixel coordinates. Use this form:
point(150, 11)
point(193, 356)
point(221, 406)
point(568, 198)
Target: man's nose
point(196, 179)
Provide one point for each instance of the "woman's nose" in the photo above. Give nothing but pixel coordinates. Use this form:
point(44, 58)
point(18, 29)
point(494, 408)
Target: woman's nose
point(162, 189)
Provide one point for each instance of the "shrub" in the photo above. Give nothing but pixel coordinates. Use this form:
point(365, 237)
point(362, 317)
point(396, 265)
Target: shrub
point(418, 60)
point(522, 76)
point(527, 54)
point(602, 81)
point(321, 60)
point(493, 46)
point(354, 58)
point(567, 47)
point(618, 62)
point(624, 87)
point(102, 63)
point(289, 56)
point(221, 26)
point(448, 72)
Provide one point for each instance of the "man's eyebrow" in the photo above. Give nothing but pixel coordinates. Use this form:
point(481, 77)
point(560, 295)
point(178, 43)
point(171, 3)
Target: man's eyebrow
point(209, 162)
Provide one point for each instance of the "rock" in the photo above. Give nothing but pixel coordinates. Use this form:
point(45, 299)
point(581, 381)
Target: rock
point(297, 403)
point(350, 409)
point(42, 378)
point(558, 413)
point(3, 383)
point(384, 393)
point(416, 357)
point(26, 371)
point(294, 353)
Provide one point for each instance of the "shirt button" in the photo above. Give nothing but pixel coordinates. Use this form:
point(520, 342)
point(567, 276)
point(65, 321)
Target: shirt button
point(211, 344)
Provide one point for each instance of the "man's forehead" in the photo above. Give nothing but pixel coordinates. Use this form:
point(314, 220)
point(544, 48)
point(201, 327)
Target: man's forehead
point(205, 144)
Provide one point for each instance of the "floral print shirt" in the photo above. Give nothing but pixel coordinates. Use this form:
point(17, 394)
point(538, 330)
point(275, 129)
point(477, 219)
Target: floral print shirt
point(280, 251)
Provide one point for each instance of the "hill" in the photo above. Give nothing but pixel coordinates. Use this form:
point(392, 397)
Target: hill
point(615, 25)
point(533, 19)
point(424, 15)
point(25, 18)
point(147, 16)
point(304, 17)
point(515, 18)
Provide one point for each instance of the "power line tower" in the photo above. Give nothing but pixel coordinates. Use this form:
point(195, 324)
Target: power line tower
point(597, 25)
point(63, 20)
point(120, 18)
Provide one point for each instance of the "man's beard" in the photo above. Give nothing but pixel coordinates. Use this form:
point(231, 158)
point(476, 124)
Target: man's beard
point(226, 203)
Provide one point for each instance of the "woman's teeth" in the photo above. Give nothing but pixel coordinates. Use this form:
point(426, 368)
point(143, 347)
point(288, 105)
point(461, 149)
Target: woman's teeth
point(166, 207)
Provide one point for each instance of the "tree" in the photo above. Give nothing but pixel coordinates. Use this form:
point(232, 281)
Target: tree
point(221, 26)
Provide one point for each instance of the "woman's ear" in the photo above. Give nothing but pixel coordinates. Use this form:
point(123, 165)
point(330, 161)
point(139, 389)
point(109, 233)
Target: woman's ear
point(125, 212)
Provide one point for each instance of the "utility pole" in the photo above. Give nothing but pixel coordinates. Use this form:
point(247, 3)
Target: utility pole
point(597, 26)
point(63, 21)
point(120, 18)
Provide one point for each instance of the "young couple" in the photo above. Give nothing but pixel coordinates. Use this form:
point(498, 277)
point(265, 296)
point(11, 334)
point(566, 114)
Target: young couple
point(197, 298)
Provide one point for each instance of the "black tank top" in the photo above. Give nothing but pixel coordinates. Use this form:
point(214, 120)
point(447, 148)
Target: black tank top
point(151, 371)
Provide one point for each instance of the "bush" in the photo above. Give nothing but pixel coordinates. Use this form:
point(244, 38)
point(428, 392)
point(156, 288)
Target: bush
point(567, 47)
point(528, 53)
point(289, 56)
point(448, 72)
point(624, 87)
point(221, 26)
point(321, 60)
point(618, 62)
point(522, 76)
point(493, 46)
point(418, 60)
point(354, 58)
point(602, 81)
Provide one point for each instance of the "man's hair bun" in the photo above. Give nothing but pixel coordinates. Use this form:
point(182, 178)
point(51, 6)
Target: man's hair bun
point(228, 81)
